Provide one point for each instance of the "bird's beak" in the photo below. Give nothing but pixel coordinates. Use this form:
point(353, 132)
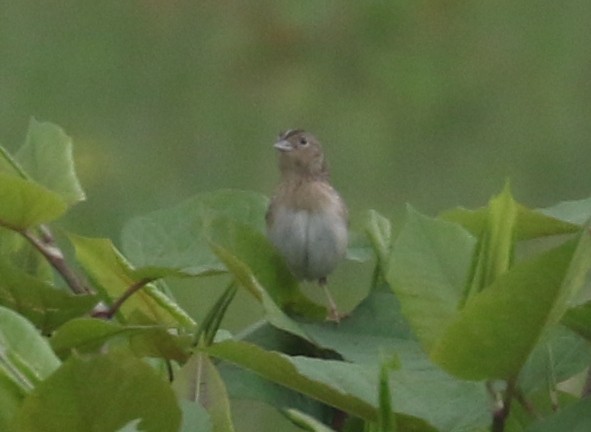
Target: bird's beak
point(283, 145)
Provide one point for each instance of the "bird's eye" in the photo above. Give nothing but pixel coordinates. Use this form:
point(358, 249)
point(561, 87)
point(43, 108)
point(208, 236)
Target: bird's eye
point(303, 141)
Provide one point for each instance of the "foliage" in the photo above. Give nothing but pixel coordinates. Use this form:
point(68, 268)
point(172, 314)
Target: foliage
point(466, 325)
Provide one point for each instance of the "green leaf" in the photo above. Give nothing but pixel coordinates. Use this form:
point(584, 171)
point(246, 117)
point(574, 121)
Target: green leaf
point(559, 355)
point(494, 334)
point(579, 320)
point(41, 303)
point(101, 393)
point(25, 357)
point(573, 212)
point(195, 418)
point(255, 263)
point(339, 384)
point(89, 335)
point(374, 330)
point(47, 158)
point(379, 231)
point(24, 204)
point(111, 271)
point(25, 360)
point(428, 271)
point(573, 418)
point(176, 238)
point(305, 421)
point(529, 224)
point(199, 381)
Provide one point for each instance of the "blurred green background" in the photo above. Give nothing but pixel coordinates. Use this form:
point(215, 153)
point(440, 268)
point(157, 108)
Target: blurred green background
point(430, 102)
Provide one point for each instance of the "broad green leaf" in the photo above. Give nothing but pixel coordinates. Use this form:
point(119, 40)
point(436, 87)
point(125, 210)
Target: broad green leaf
point(199, 381)
point(376, 329)
point(494, 334)
point(349, 387)
point(428, 271)
point(573, 418)
point(529, 223)
point(24, 204)
point(25, 357)
point(41, 303)
point(559, 355)
point(175, 238)
point(255, 263)
point(195, 418)
point(100, 393)
point(344, 386)
point(89, 335)
point(111, 271)
point(573, 212)
point(47, 158)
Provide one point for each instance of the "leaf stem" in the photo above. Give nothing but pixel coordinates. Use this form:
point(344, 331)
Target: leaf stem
point(46, 245)
point(114, 308)
point(501, 414)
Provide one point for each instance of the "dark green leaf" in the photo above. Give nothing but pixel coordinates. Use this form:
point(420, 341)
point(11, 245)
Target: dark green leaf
point(44, 305)
point(89, 335)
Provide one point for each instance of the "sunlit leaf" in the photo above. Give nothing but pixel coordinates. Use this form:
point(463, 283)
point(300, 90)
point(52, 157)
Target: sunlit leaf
point(24, 204)
point(494, 334)
point(101, 393)
point(111, 271)
point(89, 335)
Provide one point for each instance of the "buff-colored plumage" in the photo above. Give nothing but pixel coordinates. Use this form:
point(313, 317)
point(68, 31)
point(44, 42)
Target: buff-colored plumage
point(307, 219)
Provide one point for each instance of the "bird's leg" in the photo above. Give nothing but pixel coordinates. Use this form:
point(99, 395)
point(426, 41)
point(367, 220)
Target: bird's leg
point(333, 312)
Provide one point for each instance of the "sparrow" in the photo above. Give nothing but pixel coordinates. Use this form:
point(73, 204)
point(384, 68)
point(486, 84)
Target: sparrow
point(307, 220)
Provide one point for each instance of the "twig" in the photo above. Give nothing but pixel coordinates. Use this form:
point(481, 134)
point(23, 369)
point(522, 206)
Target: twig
point(114, 308)
point(501, 414)
point(46, 245)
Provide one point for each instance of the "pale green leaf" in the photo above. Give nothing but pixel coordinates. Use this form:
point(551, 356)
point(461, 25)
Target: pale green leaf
point(47, 158)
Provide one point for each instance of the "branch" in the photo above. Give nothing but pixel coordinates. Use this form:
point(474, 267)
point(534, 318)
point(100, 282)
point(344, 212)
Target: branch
point(501, 413)
point(46, 245)
point(114, 308)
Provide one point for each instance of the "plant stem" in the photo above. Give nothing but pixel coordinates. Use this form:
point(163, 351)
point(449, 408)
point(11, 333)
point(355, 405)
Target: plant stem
point(46, 245)
point(501, 414)
point(114, 308)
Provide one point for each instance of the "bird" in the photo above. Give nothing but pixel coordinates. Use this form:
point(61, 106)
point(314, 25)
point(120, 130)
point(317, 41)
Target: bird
point(307, 220)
